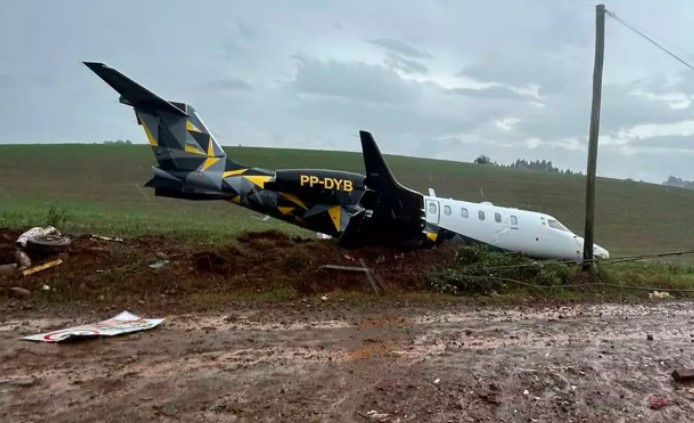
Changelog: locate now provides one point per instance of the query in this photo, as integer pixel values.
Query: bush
(57, 217)
(479, 269)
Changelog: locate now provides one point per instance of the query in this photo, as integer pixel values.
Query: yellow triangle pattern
(335, 215)
(194, 149)
(191, 127)
(294, 199)
(432, 236)
(209, 162)
(285, 210)
(258, 180)
(150, 138)
(210, 146)
(233, 172)
(236, 199)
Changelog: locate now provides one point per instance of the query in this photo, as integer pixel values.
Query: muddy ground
(248, 337)
(324, 361)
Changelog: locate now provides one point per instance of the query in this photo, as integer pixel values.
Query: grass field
(98, 189)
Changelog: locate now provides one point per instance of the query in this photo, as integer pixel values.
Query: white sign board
(125, 322)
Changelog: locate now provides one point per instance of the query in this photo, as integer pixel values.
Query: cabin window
(514, 220)
(497, 217)
(556, 225)
(463, 212)
(432, 208)
(447, 210)
(480, 214)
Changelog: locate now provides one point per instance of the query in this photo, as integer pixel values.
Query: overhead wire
(583, 285)
(649, 39)
(594, 260)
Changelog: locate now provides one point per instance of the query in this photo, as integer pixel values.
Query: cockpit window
(556, 225)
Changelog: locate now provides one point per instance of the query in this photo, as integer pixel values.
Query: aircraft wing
(392, 213)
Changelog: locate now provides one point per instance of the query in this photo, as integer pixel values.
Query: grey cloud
(320, 101)
(492, 92)
(664, 143)
(401, 48)
(396, 61)
(350, 80)
(230, 84)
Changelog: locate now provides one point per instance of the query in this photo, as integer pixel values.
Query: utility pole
(593, 135)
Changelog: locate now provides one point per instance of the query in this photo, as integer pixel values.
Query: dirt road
(323, 361)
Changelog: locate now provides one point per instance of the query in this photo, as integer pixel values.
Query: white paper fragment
(125, 322)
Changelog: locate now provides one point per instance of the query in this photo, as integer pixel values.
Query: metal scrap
(36, 231)
(683, 375)
(370, 275)
(41, 267)
(123, 323)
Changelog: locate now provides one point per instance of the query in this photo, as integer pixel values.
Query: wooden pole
(593, 135)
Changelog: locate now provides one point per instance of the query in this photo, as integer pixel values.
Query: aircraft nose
(600, 252)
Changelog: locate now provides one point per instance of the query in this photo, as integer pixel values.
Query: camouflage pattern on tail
(191, 164)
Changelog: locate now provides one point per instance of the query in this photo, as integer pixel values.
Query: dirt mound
(169, 271)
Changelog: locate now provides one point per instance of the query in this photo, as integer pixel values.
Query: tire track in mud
(584, 362)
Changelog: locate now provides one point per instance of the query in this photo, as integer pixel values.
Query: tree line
(542, 165)
(674, 181)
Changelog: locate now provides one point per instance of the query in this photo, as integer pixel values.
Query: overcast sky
(444, 79)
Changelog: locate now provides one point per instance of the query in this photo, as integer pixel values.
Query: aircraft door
(432, 211)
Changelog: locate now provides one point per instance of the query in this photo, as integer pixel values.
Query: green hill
(97, 189)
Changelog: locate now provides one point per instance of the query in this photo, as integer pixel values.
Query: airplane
(358, 210)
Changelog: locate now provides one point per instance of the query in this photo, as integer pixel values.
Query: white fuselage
(535, 234)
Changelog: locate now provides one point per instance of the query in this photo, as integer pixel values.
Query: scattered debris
(41, 267)
(19, 382)
(324, 298)
(683, 375)
(374, 415)
(659, 295)
(162, 255)
(105, 238)
(45, 288)
(649, 337)
(436, 381)
(656, 403)
(526, 393)
(48, 243)
(125, 322)
(22, 259)
(19, 292)
(370, 275)
(323, 236)
(34, 232)
(159, 264)
(345, 268)
(8, 269)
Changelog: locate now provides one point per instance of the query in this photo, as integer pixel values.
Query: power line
(649, 39)
(583, 285)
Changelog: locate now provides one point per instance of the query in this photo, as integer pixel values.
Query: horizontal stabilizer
(131, 92)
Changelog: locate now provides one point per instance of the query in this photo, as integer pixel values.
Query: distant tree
(118, 141)
(483, 160)
(673, 181)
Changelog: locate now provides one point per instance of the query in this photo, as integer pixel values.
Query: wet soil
(220, 358)
(171, 274)
(325, 361)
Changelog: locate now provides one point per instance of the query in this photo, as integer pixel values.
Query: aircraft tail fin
(187, 154)
(378, 174)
